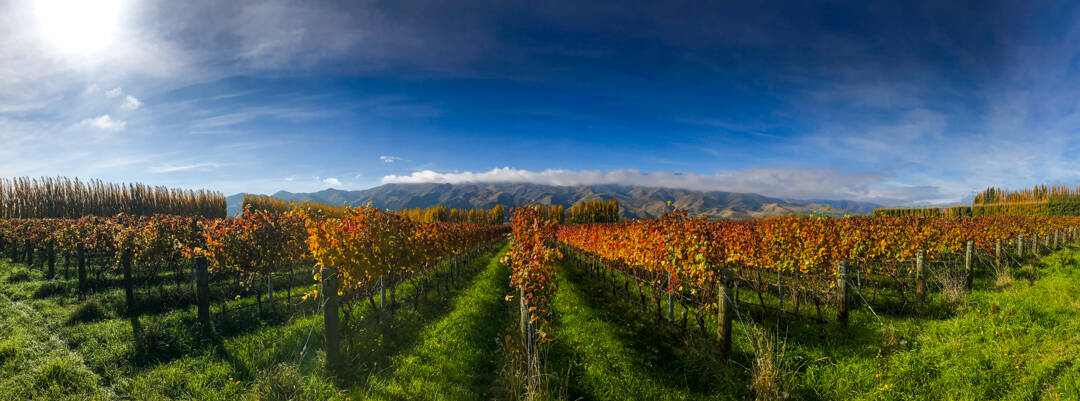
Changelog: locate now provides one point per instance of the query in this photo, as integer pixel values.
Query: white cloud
(791, 183)
(103, 123)
(389, 159)
(114, 92)
(130, 103)
(289, 179)
(333, 182)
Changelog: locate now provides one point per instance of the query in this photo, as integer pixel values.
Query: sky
(899, 104)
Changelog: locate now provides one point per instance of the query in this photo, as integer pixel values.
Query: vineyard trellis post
(997, 253)
(330, 317)
(51, 259)
(1035, 245)
(1020, 247)
(969, 276)
(129, 286)
(670, 299)
(80, 259)
(270, 290)
(202, 292)
(29, 254)
(920, 277)
(843, 292)
(724, 312)
(382, 292)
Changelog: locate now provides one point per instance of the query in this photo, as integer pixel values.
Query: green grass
(1018, 342)
(1011, 343)
(455, 359)
(56, 346)
(606, 348)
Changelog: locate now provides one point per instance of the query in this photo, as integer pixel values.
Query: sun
(79, 27)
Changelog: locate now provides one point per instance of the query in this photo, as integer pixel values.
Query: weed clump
(284, 381)
(89, 311)
(769, 364)
(19, 274)
(64, 374)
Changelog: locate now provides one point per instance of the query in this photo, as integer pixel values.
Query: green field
(1017, 341)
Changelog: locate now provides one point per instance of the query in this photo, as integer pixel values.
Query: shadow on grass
(375, 341)
(660, 353)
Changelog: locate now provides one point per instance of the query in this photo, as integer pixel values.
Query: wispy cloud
(170, 168)
(103, 123)
(333, 182)
(114, 92)
(389, 159)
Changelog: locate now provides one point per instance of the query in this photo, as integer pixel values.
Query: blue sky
(925, 102)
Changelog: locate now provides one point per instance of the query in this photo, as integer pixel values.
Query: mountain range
(634, 201)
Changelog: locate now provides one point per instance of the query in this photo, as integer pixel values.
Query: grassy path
(456, 358)
(608, 349)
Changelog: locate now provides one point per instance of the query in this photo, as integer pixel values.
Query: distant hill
(634, 201)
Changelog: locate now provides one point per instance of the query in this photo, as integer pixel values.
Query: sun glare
(79, 27)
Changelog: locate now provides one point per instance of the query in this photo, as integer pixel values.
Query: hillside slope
(635, 202)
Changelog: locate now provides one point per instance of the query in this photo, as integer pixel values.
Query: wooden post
(969, 274)
(1035, 245)
(724, 312)
(1020, 247)
(521, 307)
(843, 292)
(29, 254)
(330, 318)
(51, 260)
(270, 290)
(382, 291)
(670, 300)
(80, 259)
(997, 253)
(202, 292)
(129, 287)
(920, 277)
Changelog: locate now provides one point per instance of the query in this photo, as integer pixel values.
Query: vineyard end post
(1035, 245)
(1020, 247)
(920, 277)
(330, 317)
(968, 273)
(843, 291)
(202, 291)
(724, 308)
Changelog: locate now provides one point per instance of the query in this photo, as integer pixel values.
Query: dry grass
(1003, 276)
(769, 364)
(953, 285)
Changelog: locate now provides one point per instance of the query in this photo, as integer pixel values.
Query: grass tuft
(89, 311)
